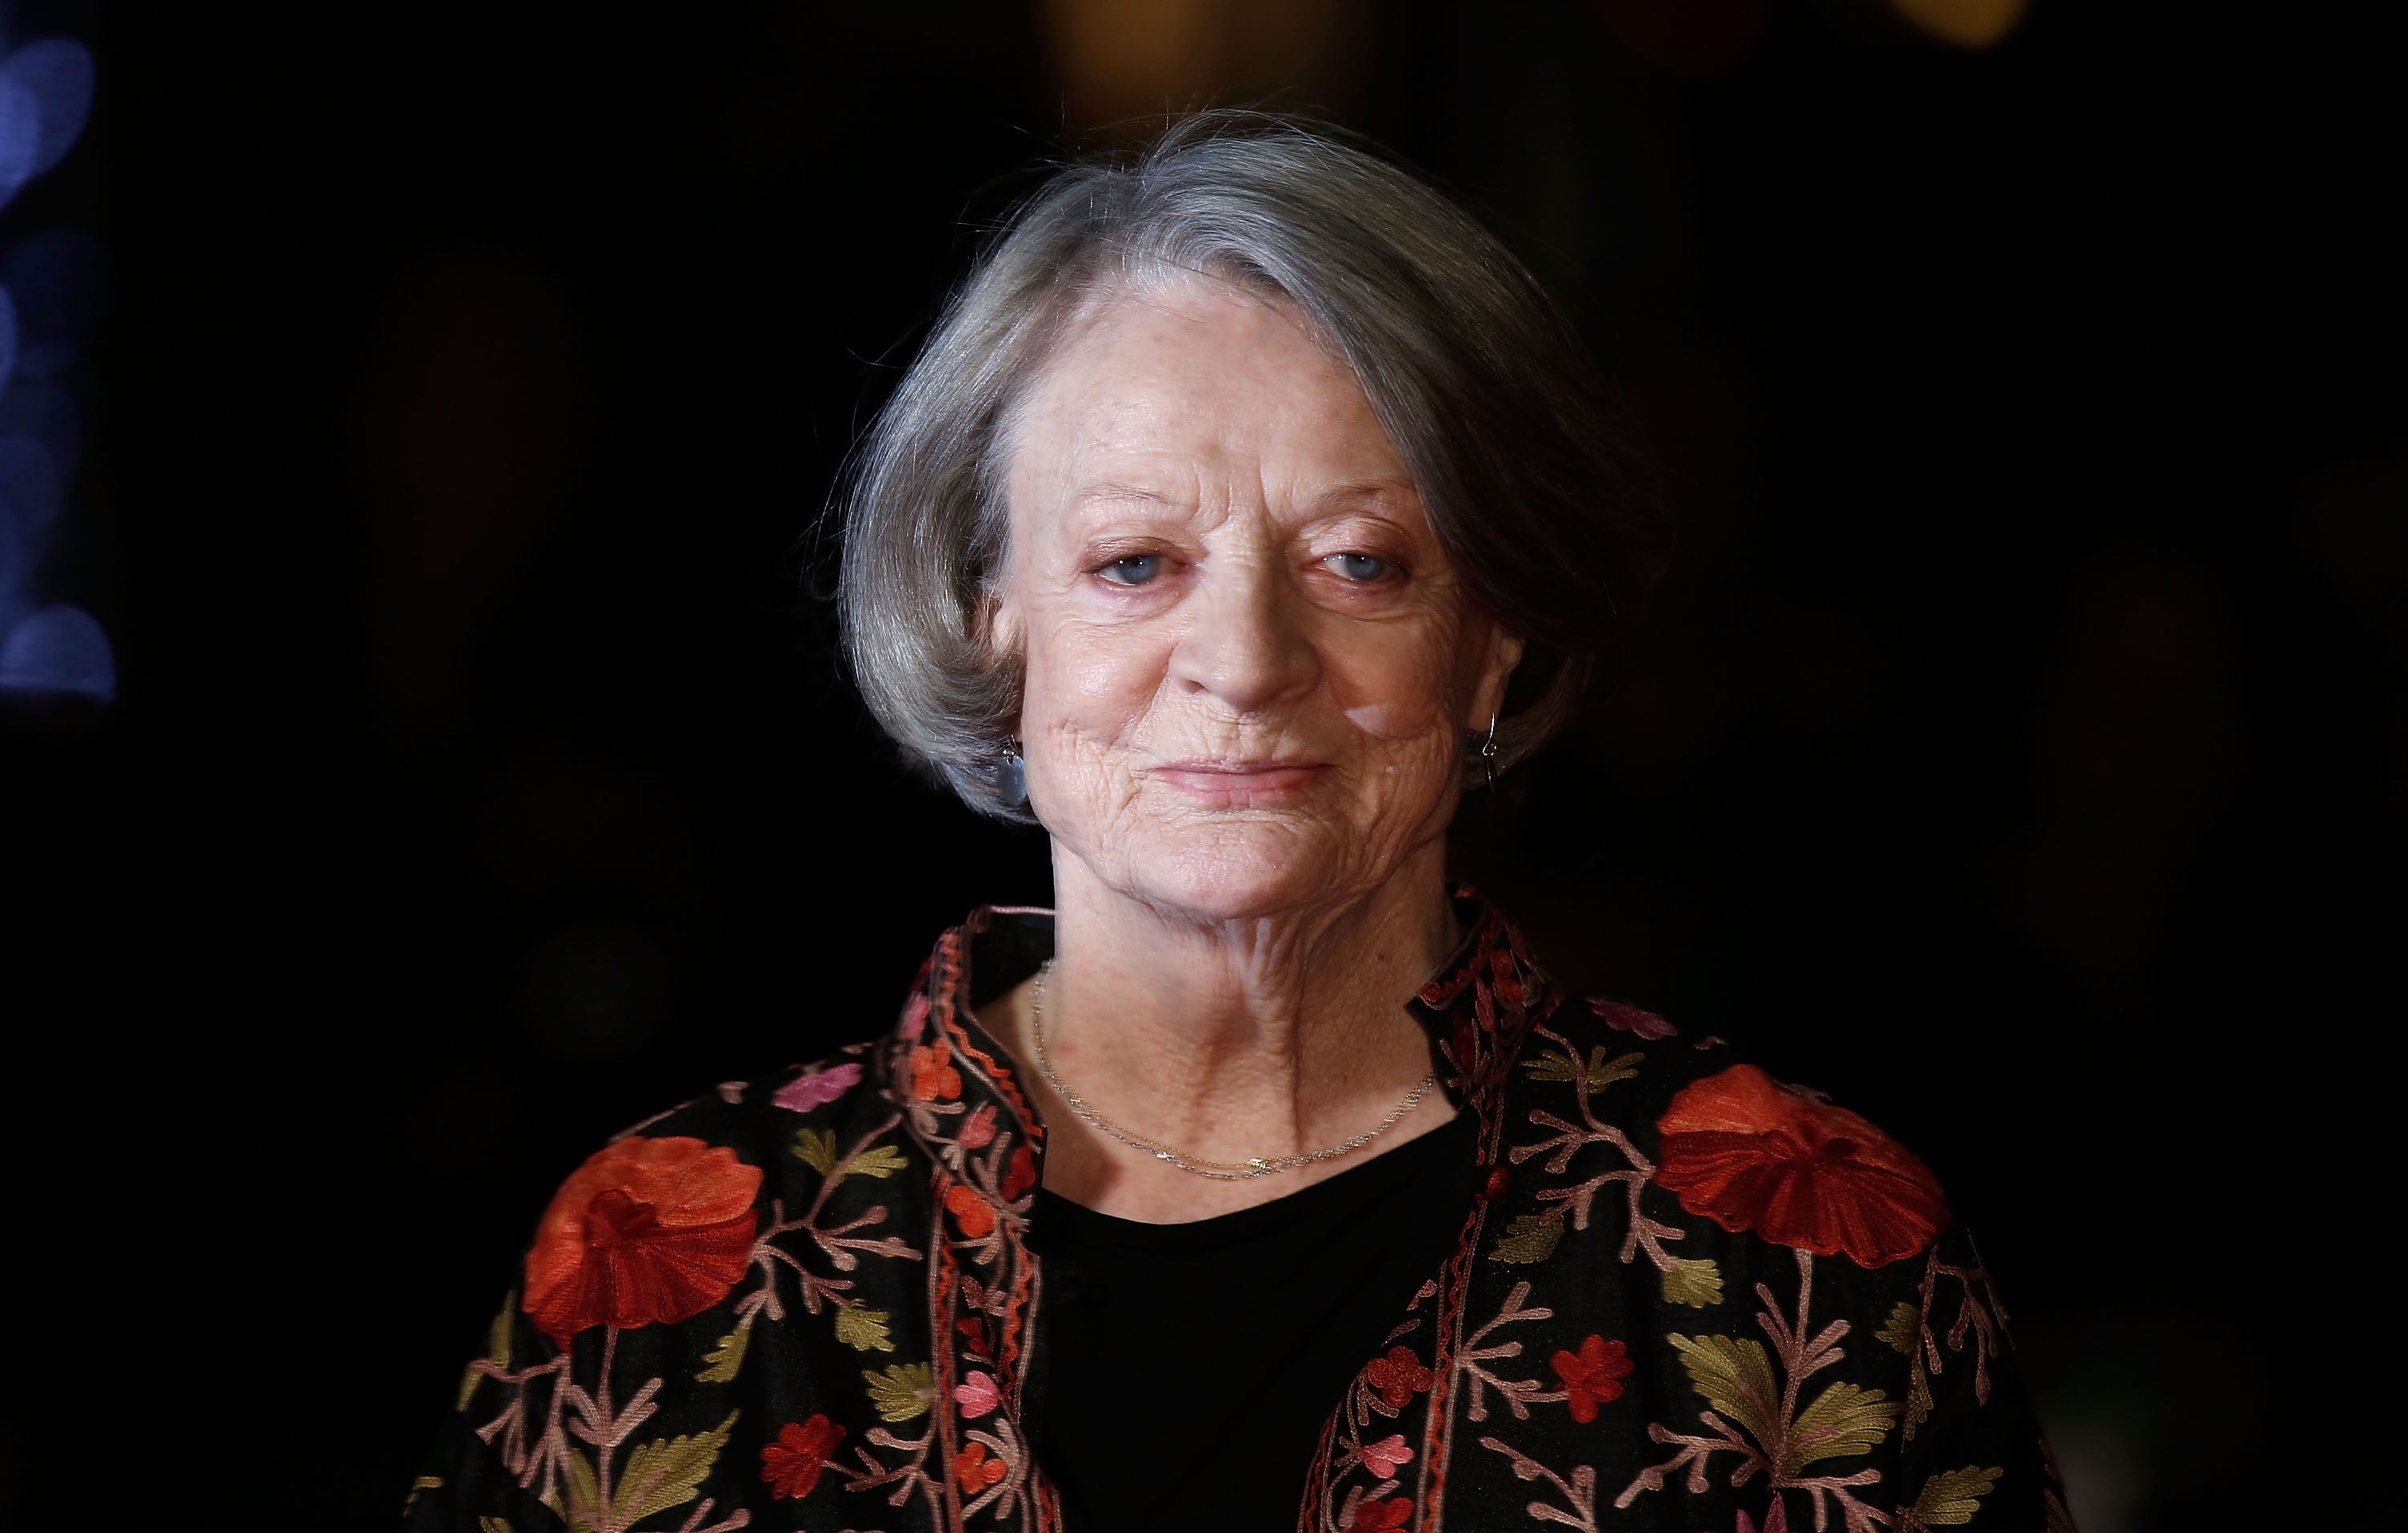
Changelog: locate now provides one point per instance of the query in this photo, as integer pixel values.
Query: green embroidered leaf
(1697, 1285)
(1903, 1328)
(863, 1330)
(495, 1524)
(661, 1475)
(1598, 1074)
(1918, 1399)
(1736, 1379)
(1531, 1238)
(882, 1162)
(727, 1357)
(497, 1349)
(418, 1487)
(1845, 1420)
(1950, 1497)
(900, 1391)
(2059, 1519)
(578, 1498)
(817, 1148)
(1553, 1064)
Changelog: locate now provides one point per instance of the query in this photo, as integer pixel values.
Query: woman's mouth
(1227, 784)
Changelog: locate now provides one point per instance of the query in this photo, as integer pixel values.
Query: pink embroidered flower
(1382, 1457)
(1629, 1019)
(974, 1471)
(1397, 1376)
(1382, 1516)
(817, 1088)
(915, 1014)
(792, 1465)
(976, 1393)
(1591, 1376)
(978, 1129)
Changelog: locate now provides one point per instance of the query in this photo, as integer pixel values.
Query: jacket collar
(959, 1092)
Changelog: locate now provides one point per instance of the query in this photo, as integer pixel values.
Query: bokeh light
(1968, 23)
(50, 297)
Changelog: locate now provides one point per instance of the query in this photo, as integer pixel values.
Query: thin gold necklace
(1219, 1170)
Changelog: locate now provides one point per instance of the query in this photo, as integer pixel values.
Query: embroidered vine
(1753, 1411)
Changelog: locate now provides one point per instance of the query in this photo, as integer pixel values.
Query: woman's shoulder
(1735, 1147)
(742, 1274)
(1764, 1293)
(759, 1117)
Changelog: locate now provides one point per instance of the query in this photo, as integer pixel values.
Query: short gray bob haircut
(1532, 480)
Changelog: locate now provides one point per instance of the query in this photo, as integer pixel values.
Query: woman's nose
(1246, 646)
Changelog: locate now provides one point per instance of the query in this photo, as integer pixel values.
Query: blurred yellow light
(1968, 23)
(1132, 56)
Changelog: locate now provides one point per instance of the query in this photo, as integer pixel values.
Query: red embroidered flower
(974, 1471)
(1397, 1376)
(1021, 1174)
(933, 1076)
(1747, 1153)
(792, 1465)
(646, 1232)
(972, 1212)
(1591, 1376)
(1382, 1516)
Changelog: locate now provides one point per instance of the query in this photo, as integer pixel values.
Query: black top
(1188, 1368)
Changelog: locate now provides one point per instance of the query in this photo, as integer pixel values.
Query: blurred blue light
(21, 135)
(59, 649)
(45, 100)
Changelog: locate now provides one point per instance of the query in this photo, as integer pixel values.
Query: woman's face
(1249, 667)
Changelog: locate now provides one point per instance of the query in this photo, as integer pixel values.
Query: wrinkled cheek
(1399, 720)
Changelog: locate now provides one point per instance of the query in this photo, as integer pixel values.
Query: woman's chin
(1238, 872)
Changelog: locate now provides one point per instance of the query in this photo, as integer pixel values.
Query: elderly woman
(1248, 506)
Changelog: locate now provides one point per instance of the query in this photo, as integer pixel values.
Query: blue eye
(1137, 569)
(1363, 567)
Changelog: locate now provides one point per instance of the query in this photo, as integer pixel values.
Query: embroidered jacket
(1685, 1298)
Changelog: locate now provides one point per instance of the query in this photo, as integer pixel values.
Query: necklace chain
(1218, 1170)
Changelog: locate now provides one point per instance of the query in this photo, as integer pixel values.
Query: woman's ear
(1488, 696)
(996, 624)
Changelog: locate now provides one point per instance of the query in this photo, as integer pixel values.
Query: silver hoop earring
(1011, 778)
(1488, 752)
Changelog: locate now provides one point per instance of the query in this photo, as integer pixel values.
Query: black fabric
(1188, 1368)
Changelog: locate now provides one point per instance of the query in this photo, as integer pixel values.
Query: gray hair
(1531, 481)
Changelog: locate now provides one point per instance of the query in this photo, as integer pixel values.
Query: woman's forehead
(1167, 390)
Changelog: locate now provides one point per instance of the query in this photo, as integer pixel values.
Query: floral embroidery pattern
(646, 1232)
(818, 1088)
(792, 1465)
(1686, 1298)
(1752, 1155)
(1591, 1376)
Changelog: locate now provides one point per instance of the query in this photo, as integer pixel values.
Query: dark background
(2019, 753)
